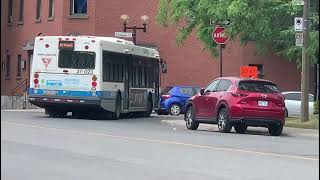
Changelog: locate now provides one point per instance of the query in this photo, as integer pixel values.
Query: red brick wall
(84, 26)
(15, 36)
(187, 65)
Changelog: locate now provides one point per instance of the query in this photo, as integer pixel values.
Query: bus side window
(143, 77)
(114, 70)
(132, 76)
(106, 71)
(145, 69)
(105, 67)
(120, 73)
(123, 78)
(150, 73)
(139, 76)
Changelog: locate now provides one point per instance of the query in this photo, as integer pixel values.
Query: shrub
(316, 107)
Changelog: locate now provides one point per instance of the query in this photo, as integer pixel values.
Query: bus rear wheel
(149, 107)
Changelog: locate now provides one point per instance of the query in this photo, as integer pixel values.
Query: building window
(8, 66)
(21, 10)
(19, 65)
(38, 11)
(260, 70)
(10, 5)
(51, 9)
(78, 7)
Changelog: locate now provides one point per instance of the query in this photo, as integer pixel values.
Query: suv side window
(213, 86)
(224, 85)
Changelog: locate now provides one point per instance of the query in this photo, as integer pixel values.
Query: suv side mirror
(202, 91)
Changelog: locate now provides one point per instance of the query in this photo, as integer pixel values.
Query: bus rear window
(76, 59)
(258, 86)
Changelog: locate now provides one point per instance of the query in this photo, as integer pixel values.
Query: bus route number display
(66, 45)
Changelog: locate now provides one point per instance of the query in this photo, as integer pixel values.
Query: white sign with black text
(298, 24)
(123, 34)
(299, 39)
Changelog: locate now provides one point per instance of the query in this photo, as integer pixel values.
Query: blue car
(173, 99)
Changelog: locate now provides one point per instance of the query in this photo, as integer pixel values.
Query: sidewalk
(295, 132)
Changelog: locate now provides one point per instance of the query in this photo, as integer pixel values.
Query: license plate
(50, 93)
(263, 103)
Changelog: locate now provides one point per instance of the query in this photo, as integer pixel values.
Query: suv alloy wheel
(224, 124)
(189, 118)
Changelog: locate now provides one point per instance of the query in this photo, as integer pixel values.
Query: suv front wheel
(189, 118)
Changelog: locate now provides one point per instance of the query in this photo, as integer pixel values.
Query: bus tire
(116, 113)
(149, 107)
(56, 113)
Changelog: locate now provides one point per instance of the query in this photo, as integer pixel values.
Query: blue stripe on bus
(101, 94)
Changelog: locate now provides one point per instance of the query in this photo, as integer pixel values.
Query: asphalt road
(36, 147)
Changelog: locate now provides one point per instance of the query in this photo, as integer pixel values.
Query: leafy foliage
(269, 23)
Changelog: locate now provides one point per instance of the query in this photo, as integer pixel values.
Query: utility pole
(221, 60)
(304, 115)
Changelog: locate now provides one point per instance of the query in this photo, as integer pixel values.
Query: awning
(29, 45)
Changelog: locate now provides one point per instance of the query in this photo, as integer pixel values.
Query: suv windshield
(258, 86)
(76, 59)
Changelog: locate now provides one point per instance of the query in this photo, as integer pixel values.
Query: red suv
(237, 102)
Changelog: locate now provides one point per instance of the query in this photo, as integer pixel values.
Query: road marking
(23, 110)
(166, 142)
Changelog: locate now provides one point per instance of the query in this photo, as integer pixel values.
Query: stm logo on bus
(46, 62)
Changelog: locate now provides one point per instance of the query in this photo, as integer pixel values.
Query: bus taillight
(35, 80)
(36, 75)
(94, 78)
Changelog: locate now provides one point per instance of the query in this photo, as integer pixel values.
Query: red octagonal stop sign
(219, 36)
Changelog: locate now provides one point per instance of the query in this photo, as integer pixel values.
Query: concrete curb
(295, 132)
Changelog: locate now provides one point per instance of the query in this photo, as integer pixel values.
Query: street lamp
(125, 19)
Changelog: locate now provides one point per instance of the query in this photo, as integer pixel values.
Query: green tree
(269, 23)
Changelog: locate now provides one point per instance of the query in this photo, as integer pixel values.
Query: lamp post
(125, 19)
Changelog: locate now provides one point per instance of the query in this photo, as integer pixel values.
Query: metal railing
(21, 88)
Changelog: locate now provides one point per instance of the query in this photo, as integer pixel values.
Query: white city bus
(90, 76)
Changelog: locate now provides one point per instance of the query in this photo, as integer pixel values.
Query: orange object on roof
(249, 71)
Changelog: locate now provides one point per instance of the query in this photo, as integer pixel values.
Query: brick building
(23, 20)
